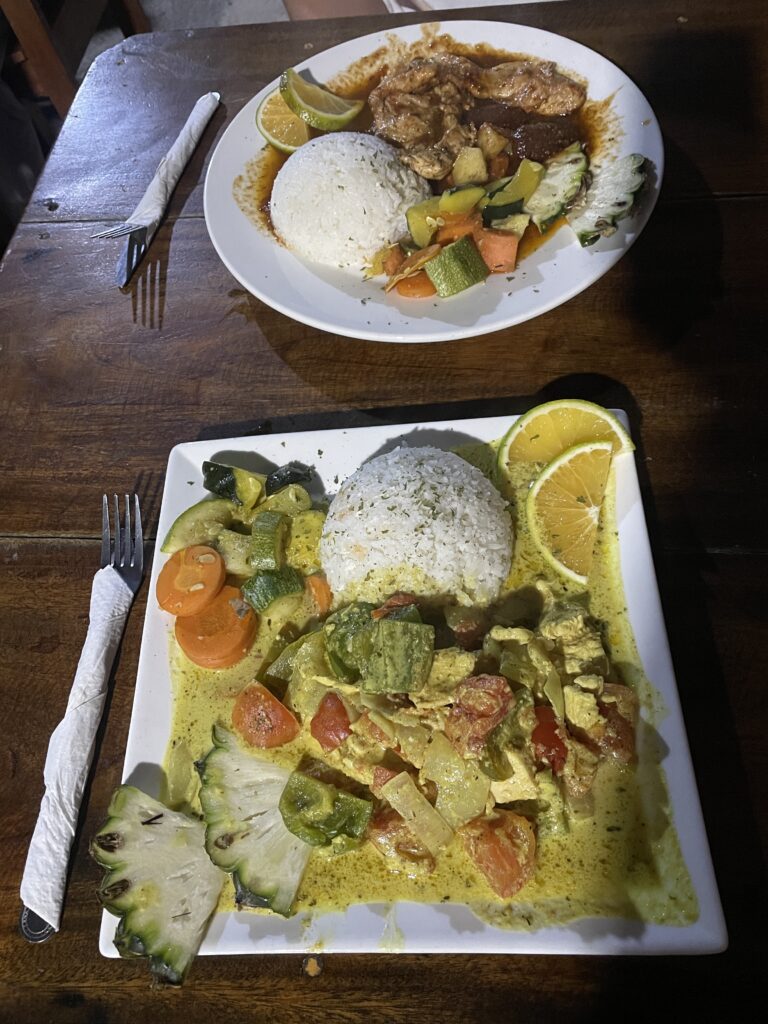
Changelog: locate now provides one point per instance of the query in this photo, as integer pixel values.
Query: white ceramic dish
(413, 927)
(341, 302)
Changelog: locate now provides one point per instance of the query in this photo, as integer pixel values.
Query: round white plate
(341, 302)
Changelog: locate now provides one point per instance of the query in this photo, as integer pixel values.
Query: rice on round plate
(420, 520)
(340, 198)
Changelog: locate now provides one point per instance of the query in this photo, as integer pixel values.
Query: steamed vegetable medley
(475, 226)
(407, 727)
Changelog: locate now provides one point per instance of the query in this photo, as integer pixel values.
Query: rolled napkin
(70, 750)
(152, 204)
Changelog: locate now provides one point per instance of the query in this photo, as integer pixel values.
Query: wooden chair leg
(136, 19)
(30, 27)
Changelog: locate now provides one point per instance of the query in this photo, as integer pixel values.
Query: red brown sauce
(597, 124)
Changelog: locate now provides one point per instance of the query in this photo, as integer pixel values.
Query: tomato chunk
(330, 725)
(548, 744)
(262, 720)
(480, 703)
(503, 846)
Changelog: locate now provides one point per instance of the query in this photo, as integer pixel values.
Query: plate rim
(706, 935)
(361, 332)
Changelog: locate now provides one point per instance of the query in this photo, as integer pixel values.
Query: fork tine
(117, 231)
(105, 537)
(116, 562)
(138, 547)
(127, 536)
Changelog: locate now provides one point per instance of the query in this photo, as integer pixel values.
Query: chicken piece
(535, 86)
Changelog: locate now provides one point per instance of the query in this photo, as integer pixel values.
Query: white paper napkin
(71, 748)
(154, 201)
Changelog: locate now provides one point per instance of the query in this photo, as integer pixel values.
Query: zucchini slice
(160, 881)
(609, 198)
(289, 500)
(199, 524)
(236, 549)
(269, 535)
(238, 485)
(563, 178)
(290, 473)
(245, 834)
(265, 588)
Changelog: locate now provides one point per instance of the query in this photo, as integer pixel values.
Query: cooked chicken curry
(610, 851)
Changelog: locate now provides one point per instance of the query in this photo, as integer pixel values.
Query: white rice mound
(420, 520)
(340, 198)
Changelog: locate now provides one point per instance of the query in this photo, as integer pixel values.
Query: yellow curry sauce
(622, 861)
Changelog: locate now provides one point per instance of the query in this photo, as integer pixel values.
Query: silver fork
(70, 750)
(125, 553)
(118, 230)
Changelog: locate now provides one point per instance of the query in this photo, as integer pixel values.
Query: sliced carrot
(190, 580)
(418, 286)
(221, 634)
(498, 165)
(262, 720)
(321, 592)
(457, 225)
(498, 249)
(393, 260)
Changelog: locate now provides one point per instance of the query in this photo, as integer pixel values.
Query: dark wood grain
(665, 335)
(97, 385)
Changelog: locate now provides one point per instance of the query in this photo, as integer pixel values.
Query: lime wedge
(315, 105)
(279, 125)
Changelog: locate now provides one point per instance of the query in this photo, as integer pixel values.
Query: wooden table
(98, 385)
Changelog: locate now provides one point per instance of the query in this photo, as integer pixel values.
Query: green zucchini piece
(509, 200)
(263, 589)
(237, 485)
(469, 167)
(322, 815)
(159, 881)
(456, 267)
(512, 733)
(421, 221)
(562, 181)
(609, 198)
(290, 473)
(515, 224)
(235, 548)
(277, 666)
(289, 500)
(400, 658)
(461, 199)
(302, 549)
(199, 524)
(269, 532)
(348, 639)
(244, 830)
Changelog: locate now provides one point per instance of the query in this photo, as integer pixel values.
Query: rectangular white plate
(414, 927)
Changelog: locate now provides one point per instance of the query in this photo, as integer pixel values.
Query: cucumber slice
(159, 881)
(245, 834)
(238, 485)
(609, 198)
(563, 178)
(268, 537)
(200, 524)
(265, 588)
